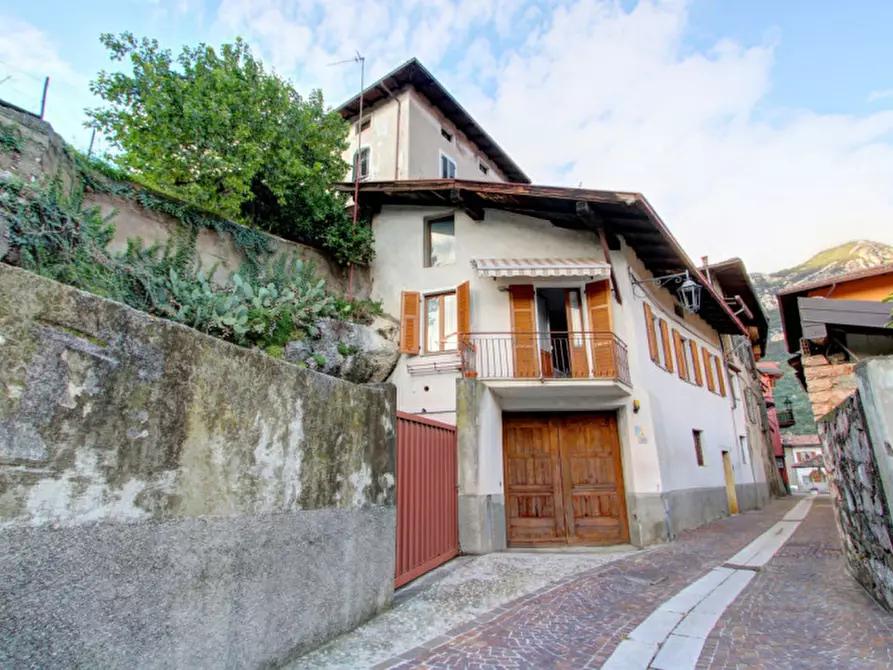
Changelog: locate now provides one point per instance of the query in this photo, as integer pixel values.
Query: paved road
(761, 592)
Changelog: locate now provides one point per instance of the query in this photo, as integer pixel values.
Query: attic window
(483, 168)
(448, 136)
(365, 124)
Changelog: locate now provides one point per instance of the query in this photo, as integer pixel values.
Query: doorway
(731, 493)
(563, 479)
(562, 338)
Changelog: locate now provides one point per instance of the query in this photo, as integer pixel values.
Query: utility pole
(359, 58)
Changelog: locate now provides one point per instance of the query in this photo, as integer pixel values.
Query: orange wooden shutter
(410, 306)
(463, 309)
(708, 370)
(523, 308)
(668, 353)
(680, 355)
(720, 376)
(699, 378)
(652, 334)
(601, 321)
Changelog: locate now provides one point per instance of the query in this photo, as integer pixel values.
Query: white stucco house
(592, 396)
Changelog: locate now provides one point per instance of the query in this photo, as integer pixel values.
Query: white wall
(381, 138)
(426, 142)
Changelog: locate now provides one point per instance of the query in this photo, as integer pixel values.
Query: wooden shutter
(680, 355)
(463, 309)
(720, 376)
(665, 337)
(695, 361)
(524, 347)
(652, 334)
(601, 321)
(410, 306)
(708, 370)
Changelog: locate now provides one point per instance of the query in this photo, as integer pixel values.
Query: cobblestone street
(798, 610)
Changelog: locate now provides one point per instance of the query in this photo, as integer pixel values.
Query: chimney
(704, 262)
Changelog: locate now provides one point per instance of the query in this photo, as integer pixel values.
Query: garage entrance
(563, 479)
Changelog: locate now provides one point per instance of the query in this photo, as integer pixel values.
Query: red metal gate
(427, 496)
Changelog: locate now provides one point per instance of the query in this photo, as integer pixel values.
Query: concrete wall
(169, 500)
(856, 438)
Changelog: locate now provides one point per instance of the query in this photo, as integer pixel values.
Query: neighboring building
(804, 462)
(770, 373)
(412, 128)
(548, 324)
(749, 412)
(832, 324)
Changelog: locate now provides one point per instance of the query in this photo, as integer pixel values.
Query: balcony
(545, 356)
(785, 418)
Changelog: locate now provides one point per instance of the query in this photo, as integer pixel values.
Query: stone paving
(801, 610)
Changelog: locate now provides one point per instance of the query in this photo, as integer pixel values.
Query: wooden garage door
(564, 483)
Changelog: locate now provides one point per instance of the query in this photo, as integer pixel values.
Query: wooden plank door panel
(524, 344)
(576, 342)
(532, 475)
(592, 480)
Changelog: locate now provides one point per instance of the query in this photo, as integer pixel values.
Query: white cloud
(880, 95)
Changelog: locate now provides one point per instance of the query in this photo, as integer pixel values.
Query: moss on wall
(108, 413)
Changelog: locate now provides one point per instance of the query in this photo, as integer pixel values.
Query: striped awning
(541, 267)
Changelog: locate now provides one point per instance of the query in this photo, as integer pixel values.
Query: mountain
(839, 260)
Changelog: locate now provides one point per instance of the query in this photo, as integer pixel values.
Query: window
(483, 168)
(447, 167)
(441, 323)
(364, 125)
(692, 354)
(720, 376)
(681, 360)
(708, 369)
(699, 448)
(448, 136)
(363, 162)
(440, 242)
(742, 441)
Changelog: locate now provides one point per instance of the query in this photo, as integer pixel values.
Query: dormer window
(448, 136)
(483, 168)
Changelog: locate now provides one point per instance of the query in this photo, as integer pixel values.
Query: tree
(219, 131)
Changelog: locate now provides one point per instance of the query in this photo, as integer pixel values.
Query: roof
(413, 73)
(628, 215)
(770, 368)
(801, 441)
(735, 281)
(817, 461)
(789, 309)
(541, 267)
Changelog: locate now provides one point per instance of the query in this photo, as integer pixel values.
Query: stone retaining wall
(829, 382)
(856, 438)
(169, 500)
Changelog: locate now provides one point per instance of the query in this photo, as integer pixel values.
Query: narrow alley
(763, 589)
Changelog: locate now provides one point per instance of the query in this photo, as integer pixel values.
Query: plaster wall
(390, 121)
(170, 500)
(869, 288)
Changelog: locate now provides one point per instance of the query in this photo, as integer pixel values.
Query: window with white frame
(363, 162)
(447, 167)
(441, 322)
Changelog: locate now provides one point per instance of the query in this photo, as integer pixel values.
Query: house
(770, 373)
(749, 411)
(831, 324)
(805, 463)
(578, 350)
(589, 366)
(412, 128)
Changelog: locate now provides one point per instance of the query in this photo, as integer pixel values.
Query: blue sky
(758, 128)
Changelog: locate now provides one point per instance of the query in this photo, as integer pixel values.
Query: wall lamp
(688, 291)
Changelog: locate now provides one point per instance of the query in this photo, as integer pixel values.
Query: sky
(761, 129)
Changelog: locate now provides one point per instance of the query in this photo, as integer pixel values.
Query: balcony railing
(544, 355)
(785, 418)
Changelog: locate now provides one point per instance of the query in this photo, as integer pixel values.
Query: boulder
(357, 352)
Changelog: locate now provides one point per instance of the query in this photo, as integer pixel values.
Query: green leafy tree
(219, 131)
